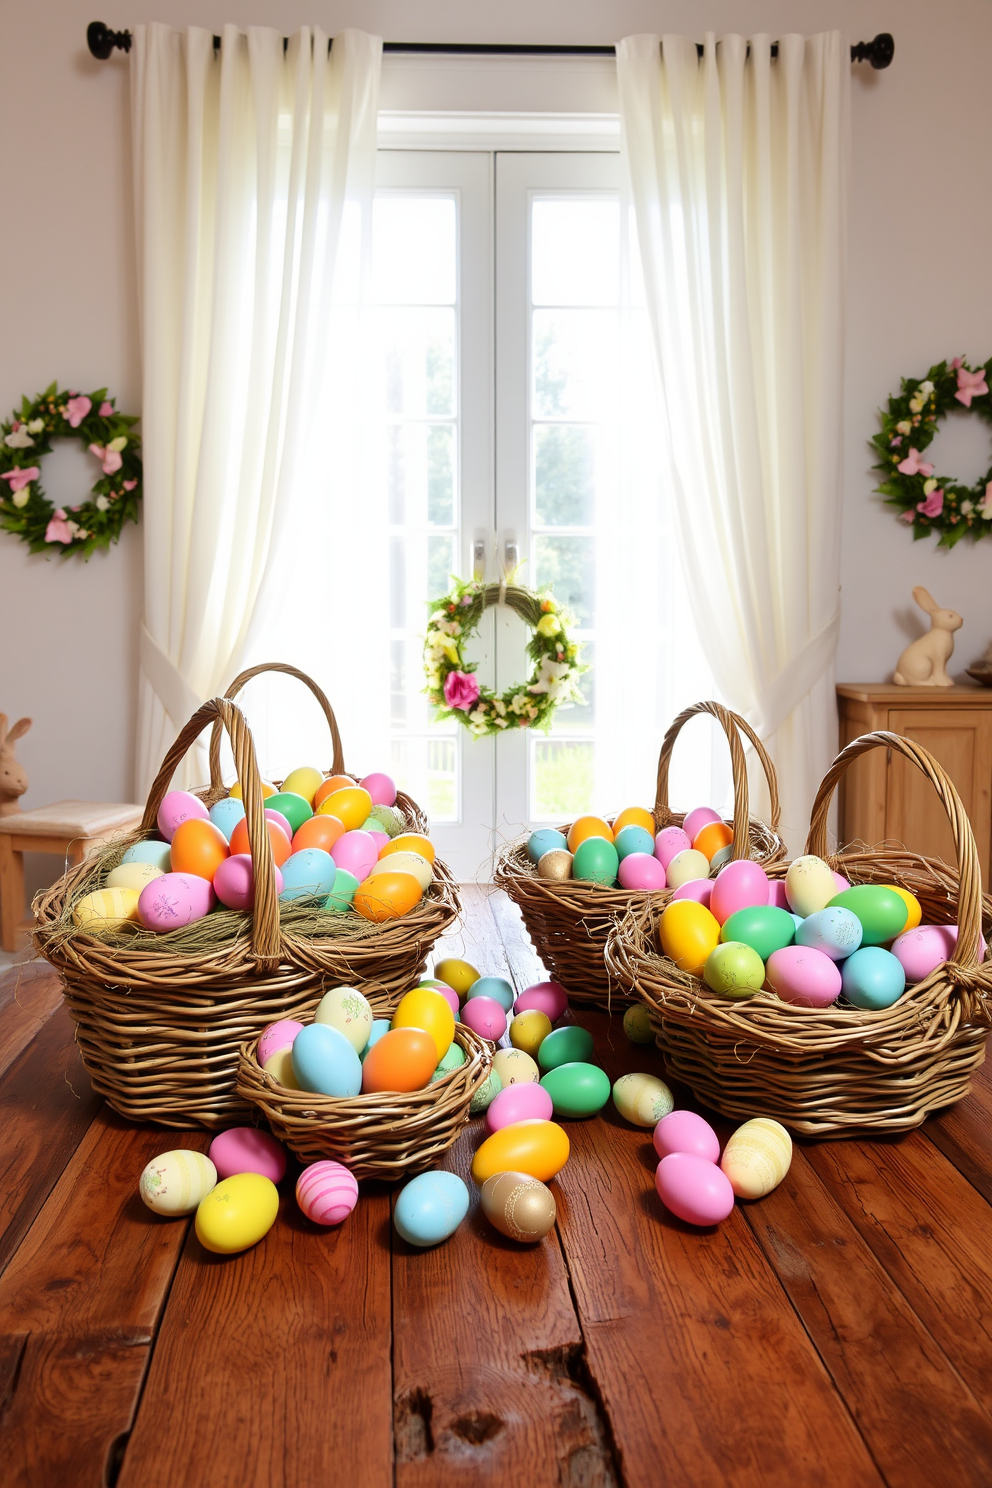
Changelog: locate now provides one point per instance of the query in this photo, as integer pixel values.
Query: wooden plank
(962, 1133)
(707, 1374)
(525, 964)
(47, 1105)
(29, 994)
(472, 938)
(272, 1368)
(928, 1228)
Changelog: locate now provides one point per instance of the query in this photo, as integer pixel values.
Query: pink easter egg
(668, 842)
(922, 950)
(841, 882)
(234, 882)
(740, 885)
(357, 853)
(280, 821)
(684, 1131)
(777, 896)
(698, 889)
(382, 789)
(641, 873)
(485, 1017)
(698, 819)
(175, 900)
(450, 997)
(380, 839)
(549, 998)
(693, 1189)
(804, 976)
(326, 1192)
(176, 807)
(279, 1035)
(245, 1149)
(530, 1102)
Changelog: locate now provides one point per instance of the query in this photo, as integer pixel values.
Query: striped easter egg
(326, 1192)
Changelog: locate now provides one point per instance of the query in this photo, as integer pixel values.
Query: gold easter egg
(520, 1207)
(757, 1157)
(556, 865)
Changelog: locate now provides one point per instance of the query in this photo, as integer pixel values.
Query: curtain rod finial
(102, 41)
(878, 52)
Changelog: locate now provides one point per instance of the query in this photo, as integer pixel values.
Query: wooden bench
(69, 829)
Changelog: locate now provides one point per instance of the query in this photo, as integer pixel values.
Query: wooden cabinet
(884, 797)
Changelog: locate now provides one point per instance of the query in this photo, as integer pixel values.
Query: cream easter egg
(177, 1182)
(347, 1010)
(687, 866)
(106, 909)
(809, 885)
(757, 1157)
(406, 862)
(514, 1067)
(642, 1099)
(132, 876)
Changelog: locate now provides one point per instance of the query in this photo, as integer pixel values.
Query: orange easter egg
(351, 805)
(268, 789)
(403, 1059)
(635, 816)
(388, 896)
(331, 784)
(709, 839)
(281, 845)
(410, 842)
(587, 826)
(318, 831)
(198, 847)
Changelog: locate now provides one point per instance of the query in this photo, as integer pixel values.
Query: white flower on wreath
(447, 627)
(519, 703)
(552, 678)
(102, 504)
(929, 486)
(967, 507)
(904, 426)
(22, 497)
(985, 505)
(19, 439)
(36, 426)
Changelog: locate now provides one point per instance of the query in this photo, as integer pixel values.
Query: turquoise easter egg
(495, 987)
(545, 840)
(633, 839)
(293, 807)
(872, 978)
(764, 928)
(379, 1027)
(596, 861)
(570, 1045)
(159, 854)
(577, 1089)
(307, 874)
(325, 1062)
(339, 899)
(430, 1208)
(226, 814)
(883, 913)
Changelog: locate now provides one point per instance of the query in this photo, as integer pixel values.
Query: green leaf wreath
(27, 437)
(928, 502)
(452, 685)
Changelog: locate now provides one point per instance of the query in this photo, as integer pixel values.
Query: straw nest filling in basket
(570, 922)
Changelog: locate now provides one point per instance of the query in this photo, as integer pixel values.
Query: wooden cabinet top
(890, 693)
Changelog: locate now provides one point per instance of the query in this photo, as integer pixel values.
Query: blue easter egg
(325, 1062)
(308, 873)
(430, 1208)
(798, 919)
(633, 839)
(226, 814)
(835, 931)
(547, 840)
(339, 899)
(159, 854)
(495, 987)
(873, 978)
(379, 1027)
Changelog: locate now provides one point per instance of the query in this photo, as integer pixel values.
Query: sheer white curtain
(737, 165)
(248, 163)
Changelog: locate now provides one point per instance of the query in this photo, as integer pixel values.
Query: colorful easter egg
(914, 909)
(454, 1059)
(159, 854)
(280, 821)
(486, 1017)
(921, 951)
(388, 897)
(347, 1010)
(883, 913)
(305, 781)
(234, 882)
(427, 1009)
(549, 998)
(777, 897)
(569, 1045)
(278, 1035)
(518, 1206)
(308, 874)
(486, 1094)
(380, 839)
(641, 872)
(179, 806)
(106, 910)
(669, 842)
(497, 988)
(448, 993)
(688, 933)
(174, 900)
(325, 1062)
(330, 785)
(809, 885)
(238, 1213)
(326, 1192)
(459, 975)
(389, 820)
(318, 831)
(686, 866)
(555, 866)
(637, 1024)
(519, 1103)
(595, 861)
(528, 1030)
(381, 788)
(695, 1190)
(198, 847)
(873, 978)
(342, 897)
(684, 1131)
(278, 839)
(280, 1066)
(357, 853)
(710, 839)
(132, 876)
(268, 789)
(757, 1157)
(721, 858)
(177, 1182)
(698, 818)
(741, 885)
(804, 977)
(226, 814)
(634, 839)
(430, 1208)
(734, 970)
(411, 842)
(699, 890)
(538, 1148)
(406, 862)
(351, 805)
(546, 839)
(380, 1027)
(585, 827)
(515, 1067)
(577, 1089)
(837, 932)
(764, 928)
(293, 808)
(245, 1149)
(642, 1099)
(635, 816)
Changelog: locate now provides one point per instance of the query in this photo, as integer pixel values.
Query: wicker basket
(570, 922)
(376, 1136)
(158, 1026)
(837, 1071)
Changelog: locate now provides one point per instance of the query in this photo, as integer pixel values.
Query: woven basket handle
(965, 951)
(337, 763)
(733, 726)
(266, 940)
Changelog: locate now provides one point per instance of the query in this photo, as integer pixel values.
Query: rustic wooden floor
(839, 1332)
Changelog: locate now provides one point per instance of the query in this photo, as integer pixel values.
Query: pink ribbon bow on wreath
(58, 528)
(112, 459)
(913, 465)
(21, 478)
(970, 385)
(76, 410)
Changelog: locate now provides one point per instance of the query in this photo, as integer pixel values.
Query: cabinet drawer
(962, 741)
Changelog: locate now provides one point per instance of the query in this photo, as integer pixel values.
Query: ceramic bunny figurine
(13, 780)
(924, 661)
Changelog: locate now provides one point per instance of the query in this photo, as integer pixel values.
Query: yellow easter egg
(538, 1148)
(529, 1030)
(351, 805)
(407, 862)
(688, 934)
(424, 1008)
(268, 789)
(458, 975)
(411, 842)
(913, 906)
(280, 1066)
(642, 1099)
(304, 781)
(634, 816)
(809, 885)
(132, 876)
(516, 1067)
(177, 1182)
(106, 909)
(757, 1157)
(237, 1213)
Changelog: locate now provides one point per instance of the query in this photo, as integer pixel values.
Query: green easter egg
(339, 899)
(577, 1089)
(764, 928)
(486, 1094)
(291, 806)
(637, 1024)
(569, 1045)
(883, 913)
(388, 821)
(596, 861)
(734, 970)
(454, 1058)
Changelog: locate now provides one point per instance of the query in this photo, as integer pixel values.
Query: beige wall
(921, 226)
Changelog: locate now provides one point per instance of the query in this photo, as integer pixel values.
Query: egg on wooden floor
(757, 1157)
(539, 1148)
(518, 1206)
(527, 1102)
(637, 1025)
(176, 1183)
(515, 1066)
(495, 987)
(459, 975)
(238, 1213)
(430, 1208)
(246, 1149)
(484, 1016)
(642, 1099)
(693, 1189)
(569, 1045)
(684, 1131)
(577, 1090)
(549, 998)
(528, 1030)
(326, 1192)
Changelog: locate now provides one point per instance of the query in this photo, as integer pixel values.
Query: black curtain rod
(102, 42)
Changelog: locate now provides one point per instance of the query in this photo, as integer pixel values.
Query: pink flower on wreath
(970, 385)
(112, 459)
(913, 465)
(58, 528)
(934, 504)
(21, 478)
(76, 410)
(895, 441)
(106, 409)
(907, 516)
(130, 485)
(957, 362)
(461, 689)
